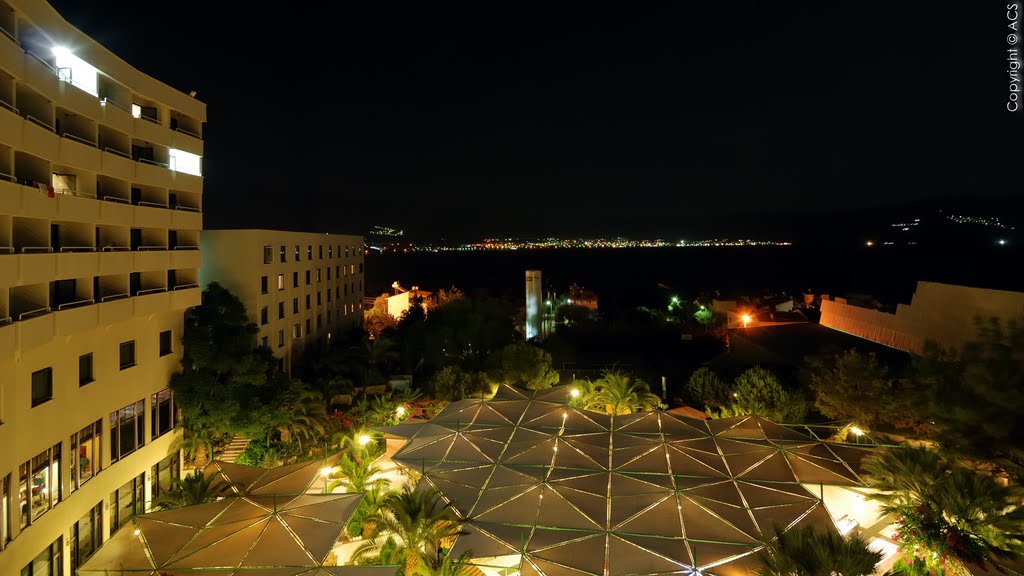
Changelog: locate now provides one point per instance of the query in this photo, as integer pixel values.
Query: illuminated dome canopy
(552, 490)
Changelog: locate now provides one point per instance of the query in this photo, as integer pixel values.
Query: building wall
(235, 259)
(125, 230)
(941, 312)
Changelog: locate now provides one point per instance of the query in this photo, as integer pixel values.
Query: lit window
(136, 111)
(181, 161)
(280, 281)
(78, 72)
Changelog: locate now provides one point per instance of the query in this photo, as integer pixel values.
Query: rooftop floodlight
(61, 51)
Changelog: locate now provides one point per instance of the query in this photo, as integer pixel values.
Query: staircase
(234, 449)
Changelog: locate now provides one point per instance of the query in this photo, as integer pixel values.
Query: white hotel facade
(100, 214)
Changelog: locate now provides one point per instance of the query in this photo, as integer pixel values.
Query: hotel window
(298, 257)
(85, 369)
(42, 386)
(280, 338)
(309, 252)
(163, 473)
(360, 267)
(330, 251)
(127, 354)
(344, 270)
(127, 430)
(295, 279)
(85, 454)
(165, 343)
(307, 277)
(263, 285)
(127, 501)
(86, 536)
(50, 562)
(280, 310)
(283, 259)
(263, 316)
(309, 325)
(328, 295)
(321, 255)
(297, 331)
(345, 286)
(5, 511)
(308, 306)
(268, 254)
(161, 413)
(360, 285)
(295, 305)
(40, 477)
(328, 316)
(337, 292)
(337, 272)
(346, 251)
(319, 322)
(319, 299)
(318, 277)
(263, 342)
(328, 272)
(351, 268)
(280, 281)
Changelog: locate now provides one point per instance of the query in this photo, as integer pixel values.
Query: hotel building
(300, 288)
(100, 213)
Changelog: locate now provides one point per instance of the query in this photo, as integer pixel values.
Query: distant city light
(869, 243)
(1002, 242)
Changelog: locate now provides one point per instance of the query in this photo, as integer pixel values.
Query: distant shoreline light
(507, 244)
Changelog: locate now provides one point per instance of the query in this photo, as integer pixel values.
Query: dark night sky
(639, 118)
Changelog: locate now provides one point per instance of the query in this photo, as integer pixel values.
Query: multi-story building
(300, 288)
(100, 198)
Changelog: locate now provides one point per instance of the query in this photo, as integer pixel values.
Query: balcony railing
(76, 304)
(39, 122)
(79, 139)
(34, 313)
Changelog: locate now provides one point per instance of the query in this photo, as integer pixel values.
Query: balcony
(76, 317)
(154, 174)
(154, 301)
(79, 152)
(39, 138)
(10, 125)
(183, 297)
(79, 100)
(41, 76)
(117, 164)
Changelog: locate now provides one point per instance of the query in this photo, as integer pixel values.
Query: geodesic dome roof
(562, 491)
(257, 533)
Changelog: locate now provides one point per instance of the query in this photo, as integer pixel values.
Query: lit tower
(534, 304)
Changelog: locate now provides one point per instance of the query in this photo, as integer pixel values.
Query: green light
(675, 300)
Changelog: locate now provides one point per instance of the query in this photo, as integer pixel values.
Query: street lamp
(746, 320)
(326, 473)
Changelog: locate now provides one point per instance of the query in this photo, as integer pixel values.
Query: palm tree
(420, 521)
(619, 393)
(453, 566)
(196, 445)
(356, 476)
(804, 552)
(195, 488)
(305, 420)
(946, 510)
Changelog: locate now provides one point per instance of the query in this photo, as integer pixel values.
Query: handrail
(8, 177)
(35, 120)
(116, 249)
(40, 59)
(153, 120)
(154, 162)
(186, 247)
(149, 248)
(154, 204)
(110, 297)
(37, 312)
(6, 320)
(7, 249)
(77, 249)
(30, 249)
(117, 199)
(9, 35)
(117, 152)
(189, 132)
(104, 101)
(71, 136)
(184, 286)
(76, 304)
(187, 208)
(9, 106)
(150, 291)
(83, 194)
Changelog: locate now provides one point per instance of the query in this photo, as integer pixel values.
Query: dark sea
(645, 276)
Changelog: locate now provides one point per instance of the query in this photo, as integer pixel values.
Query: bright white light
(186, 162)
(364, 440)
(856, 431)
(137, 532)
(325, 472)
(136, 111)
(1002, 242)
(400, 411)
(574, 393)
(73, 69)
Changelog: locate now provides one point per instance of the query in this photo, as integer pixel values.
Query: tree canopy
(525, 366)
(852, 385)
